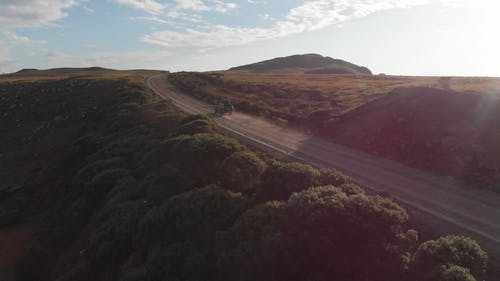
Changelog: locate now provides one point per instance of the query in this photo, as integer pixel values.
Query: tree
(194, 215)
(451, 250)
(242, 171)
(455, 273)
(181, 232)
(320, 233)
(281, 179)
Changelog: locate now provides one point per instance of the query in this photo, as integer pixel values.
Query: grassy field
(297, 95)
(348, 92)
(95, 73)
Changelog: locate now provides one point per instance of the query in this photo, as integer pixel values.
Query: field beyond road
(447, 126)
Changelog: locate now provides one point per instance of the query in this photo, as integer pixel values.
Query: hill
(309, 63)
(103, 180)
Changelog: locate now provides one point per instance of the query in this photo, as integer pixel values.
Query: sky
(398, 37)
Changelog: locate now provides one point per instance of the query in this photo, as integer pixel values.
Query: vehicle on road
(223, 107)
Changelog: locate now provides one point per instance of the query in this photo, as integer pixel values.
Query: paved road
(476, 212)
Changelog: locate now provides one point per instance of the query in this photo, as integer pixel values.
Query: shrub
(86, 173)
(197, 126)
(318, 234)
(280, 179)
(202, 154)
(8, 217)
(195, 215)
(241, 171)
(104, 181)
(113, 236)
(167, 182)
(449, 250)
(455, 273)
(252, 249)
(330, 176)
(127, 189)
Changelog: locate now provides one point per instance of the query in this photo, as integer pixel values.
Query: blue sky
(403, 37)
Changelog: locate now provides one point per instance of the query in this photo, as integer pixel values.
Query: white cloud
(88, 10)
(32, 13)
(18, 39)
(257, 2)
(149, 6)
(266, 17)
(175, 8)
(312, 15)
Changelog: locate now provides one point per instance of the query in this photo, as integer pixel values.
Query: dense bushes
(280, 179)
(318, 234)
(164, 219)
(241, 171)
(194, 215)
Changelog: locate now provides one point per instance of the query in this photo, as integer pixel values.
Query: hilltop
(308, 63)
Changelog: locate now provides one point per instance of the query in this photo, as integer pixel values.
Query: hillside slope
(309, 63)
(447, 132)
(102, 180)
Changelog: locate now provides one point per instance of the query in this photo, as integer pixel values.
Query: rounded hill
(308, 63)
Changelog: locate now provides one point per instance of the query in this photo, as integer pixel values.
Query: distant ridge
(308, 63)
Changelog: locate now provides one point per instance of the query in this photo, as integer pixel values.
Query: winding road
(475, 212)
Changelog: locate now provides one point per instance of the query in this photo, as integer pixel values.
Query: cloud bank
(32, 13)
(310, 16)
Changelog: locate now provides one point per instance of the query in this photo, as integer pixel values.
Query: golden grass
(351, 91)
(83, 73)
(363, 83)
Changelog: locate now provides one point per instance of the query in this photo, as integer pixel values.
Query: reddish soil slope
(447, 132)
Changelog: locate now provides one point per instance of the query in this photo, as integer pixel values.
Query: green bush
(202, 155)
(104, 181)
(448, 251)
(330, 176)
(128, 189)
(454, 273)
(319, 234)
(167, 261)
(281, 179)
(86, 173)
(197, 127)
(113, 237)
(181, 232)
(167, 182)
(195, 215)
(241, 171)
(8, 217)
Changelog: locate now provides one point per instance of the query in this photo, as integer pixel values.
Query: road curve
(477, 212)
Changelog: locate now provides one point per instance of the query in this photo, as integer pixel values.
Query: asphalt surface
(476, 212)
